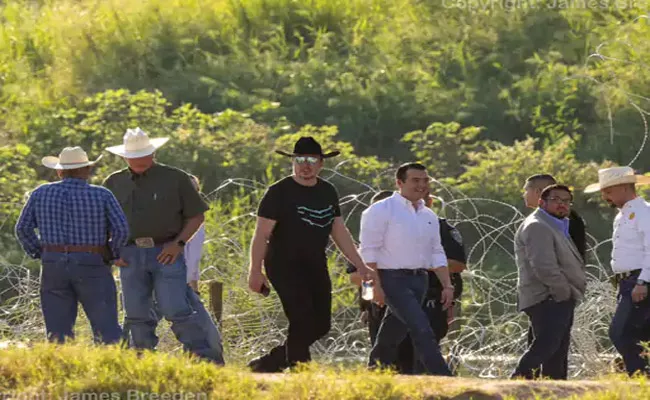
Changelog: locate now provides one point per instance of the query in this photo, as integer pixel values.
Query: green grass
(85, 372)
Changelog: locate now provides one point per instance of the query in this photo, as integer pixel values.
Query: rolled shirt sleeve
(438, 256)
(192, 254)
(373, 228)
(644, 230)
(26, 228)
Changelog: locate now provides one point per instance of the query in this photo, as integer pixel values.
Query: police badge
(456, 235)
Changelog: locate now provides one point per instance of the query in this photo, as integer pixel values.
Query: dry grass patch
(96, 373)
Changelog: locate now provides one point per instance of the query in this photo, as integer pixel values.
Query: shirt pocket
(165, 202)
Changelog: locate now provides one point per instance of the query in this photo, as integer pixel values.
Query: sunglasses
(306, 160)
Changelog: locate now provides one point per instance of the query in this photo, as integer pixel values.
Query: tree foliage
(384, 81)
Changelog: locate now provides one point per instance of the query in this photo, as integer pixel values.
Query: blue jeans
(404, 292)
(549, 339)
(630, 325)
(71, 278)
(214, 337)
(143, 277)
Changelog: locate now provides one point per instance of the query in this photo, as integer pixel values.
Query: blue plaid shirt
(71, 212)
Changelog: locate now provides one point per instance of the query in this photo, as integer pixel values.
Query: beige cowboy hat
(69, 158)
(616, 176)
(137, 144)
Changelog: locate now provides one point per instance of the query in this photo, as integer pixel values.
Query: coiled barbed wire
(490, 334)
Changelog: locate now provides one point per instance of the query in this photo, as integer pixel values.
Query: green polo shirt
(158, 202)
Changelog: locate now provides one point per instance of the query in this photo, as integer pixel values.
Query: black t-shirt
(452, 243)
(304, 216)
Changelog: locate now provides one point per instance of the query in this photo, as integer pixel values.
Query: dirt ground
(483, 389)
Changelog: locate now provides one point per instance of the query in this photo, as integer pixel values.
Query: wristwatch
(180, 243)
(641, 282)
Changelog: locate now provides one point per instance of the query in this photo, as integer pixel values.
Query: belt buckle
(144, 242)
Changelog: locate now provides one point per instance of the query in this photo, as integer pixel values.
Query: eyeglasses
(559, 200)
(306, 160)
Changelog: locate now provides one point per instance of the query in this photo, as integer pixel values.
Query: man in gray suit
(551, 280)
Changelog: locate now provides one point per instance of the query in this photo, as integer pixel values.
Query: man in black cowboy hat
(295, 219)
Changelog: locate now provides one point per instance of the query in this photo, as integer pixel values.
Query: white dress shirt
(631, 240)
(397, 235)
(192, 253)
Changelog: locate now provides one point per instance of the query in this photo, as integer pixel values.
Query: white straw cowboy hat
(137, 144)
(70, 158)
(616, 176)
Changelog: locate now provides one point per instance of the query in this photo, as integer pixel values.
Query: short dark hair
(402, 170)
(541, 179)
(383, 194)
(547, 191)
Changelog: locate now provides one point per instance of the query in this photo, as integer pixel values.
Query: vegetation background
(484, 93)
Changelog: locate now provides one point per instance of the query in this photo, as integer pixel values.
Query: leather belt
(58, 248)
(148, 242)
(407, 271)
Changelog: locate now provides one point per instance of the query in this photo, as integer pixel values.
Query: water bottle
(367, 291)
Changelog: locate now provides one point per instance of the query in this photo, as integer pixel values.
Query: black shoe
(264, 364)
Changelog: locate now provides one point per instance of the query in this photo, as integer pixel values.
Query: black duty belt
(617, 278)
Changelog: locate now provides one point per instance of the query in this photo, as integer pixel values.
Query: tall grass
(82, 372)
(74, 48)
(375, 68)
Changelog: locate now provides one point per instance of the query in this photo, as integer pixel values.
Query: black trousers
(548, 352)
(629, 327)
(405, 363)
(306, 295)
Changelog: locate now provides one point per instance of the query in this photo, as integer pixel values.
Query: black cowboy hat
(308, 145)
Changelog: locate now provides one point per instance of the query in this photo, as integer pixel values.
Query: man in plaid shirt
(81, 228)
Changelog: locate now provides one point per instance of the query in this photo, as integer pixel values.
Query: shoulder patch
(456, 235)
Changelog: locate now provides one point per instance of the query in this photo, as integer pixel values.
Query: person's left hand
(169, 253)
(447, 297)
(639, 293)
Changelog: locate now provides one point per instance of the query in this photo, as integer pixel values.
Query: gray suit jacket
(549, 264)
